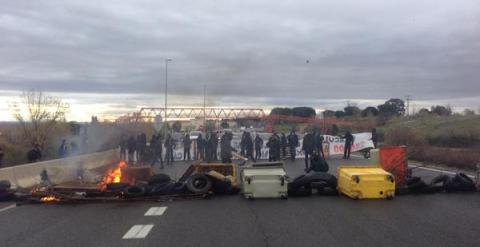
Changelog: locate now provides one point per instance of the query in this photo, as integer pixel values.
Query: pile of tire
(303, 185)
(6, 193)
(442, 183)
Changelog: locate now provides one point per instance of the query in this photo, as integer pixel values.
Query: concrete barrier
(58, 170)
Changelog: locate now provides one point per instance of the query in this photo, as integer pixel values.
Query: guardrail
(58, 170)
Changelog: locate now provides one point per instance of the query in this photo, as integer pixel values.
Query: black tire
(135, 191)
(439, 182)
(159, 179)
(199, 183)
(401, 191)
(117, 187)
(304, 190)
(366, 154)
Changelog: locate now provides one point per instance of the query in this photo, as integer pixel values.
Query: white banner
(336, 146)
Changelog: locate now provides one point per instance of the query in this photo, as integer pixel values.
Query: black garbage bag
(303, 184)
(440, 182)
(417, 186)
(170, 188)
(460, 182)
(159, 179)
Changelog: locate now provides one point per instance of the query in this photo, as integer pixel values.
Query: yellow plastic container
(365, 182)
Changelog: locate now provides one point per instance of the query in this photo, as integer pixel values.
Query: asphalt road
(420, 220)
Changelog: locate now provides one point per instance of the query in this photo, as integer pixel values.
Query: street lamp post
(166, 91)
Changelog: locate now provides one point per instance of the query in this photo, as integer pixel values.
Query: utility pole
(204, 108)
(166, 92)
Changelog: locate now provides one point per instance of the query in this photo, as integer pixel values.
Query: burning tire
(199, 184)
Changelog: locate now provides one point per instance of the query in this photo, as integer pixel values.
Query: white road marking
(7, 207)
(138, 231)
(156, 211)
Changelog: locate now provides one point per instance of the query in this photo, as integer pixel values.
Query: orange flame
(49, 199)
(113, 175)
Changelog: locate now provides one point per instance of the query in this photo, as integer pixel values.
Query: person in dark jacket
(273, 145)
(283, 145)
(374, 137)
(348, 145)
(258, 147)
(2, 154)
(169, 146)
(123, 148)
(249, 147)
(226, 148)
(131, 147)
(141, 146)
(318, 163)
(62, 150)
(156, 146)
(34, 154)
(243, 143)
(215, 146)
(187, 143)
(318, 143)
(292, 144)
(200, 147)
(308, 146)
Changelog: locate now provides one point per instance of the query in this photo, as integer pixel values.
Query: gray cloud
(244, 49)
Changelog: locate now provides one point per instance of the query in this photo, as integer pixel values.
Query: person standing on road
(2, 154)
(319, 143)
(249, 147)
(186, 147)
(215, 146)
(348, 145)
(169, 146)
(141, 146)
(200, 148)
(273, 145)
(374, 137)
(293, 144)
(62, 150)
(132, 147)
(226, 148)
(308, 147)
(156, 150)
(258, 146)
(283, 144)
(243, 144)
(123, 148)
(34, 154)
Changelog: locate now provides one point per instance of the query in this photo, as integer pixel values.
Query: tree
(38, 116)
(281, 111)
(303, 111)
(328, 114)
(423, 112)
(339, 114)
(468, 112)
(352, 110)
(177, 126)
(441, 110)
(392, 107)
(370, 111)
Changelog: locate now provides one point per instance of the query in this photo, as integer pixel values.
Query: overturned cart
(124, 183)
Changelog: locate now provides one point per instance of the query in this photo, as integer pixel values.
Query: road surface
(414, 220)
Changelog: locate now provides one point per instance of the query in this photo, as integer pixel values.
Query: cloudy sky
(108, 57)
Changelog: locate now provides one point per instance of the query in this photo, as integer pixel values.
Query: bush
(459, 158)
(403, 136)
